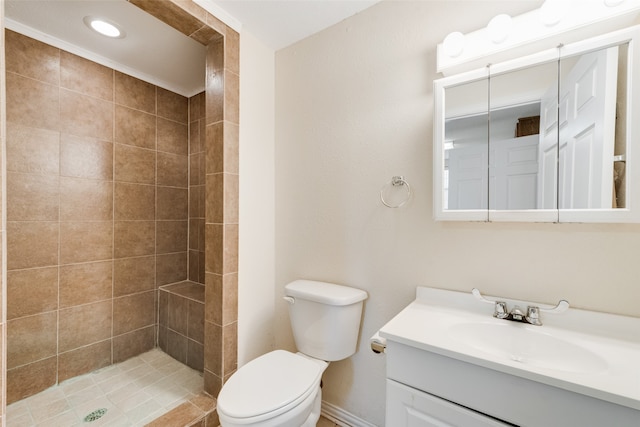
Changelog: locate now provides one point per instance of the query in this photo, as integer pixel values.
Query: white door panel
(585, 136)
(548, 150)
(514, 173)
(468, 177)
(590, 131)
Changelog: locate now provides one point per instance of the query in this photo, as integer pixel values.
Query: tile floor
(134, 392)
(324, 422)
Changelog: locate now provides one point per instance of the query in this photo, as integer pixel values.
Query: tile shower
(97, 212)
(113, 187)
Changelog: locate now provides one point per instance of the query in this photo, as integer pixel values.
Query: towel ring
(396, 181)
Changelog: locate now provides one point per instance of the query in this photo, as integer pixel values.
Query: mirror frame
(629, 214)
(438, 147)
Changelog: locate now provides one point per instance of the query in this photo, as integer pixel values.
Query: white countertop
(611, 343)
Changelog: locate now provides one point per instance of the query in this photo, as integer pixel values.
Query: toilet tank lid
(324, 293)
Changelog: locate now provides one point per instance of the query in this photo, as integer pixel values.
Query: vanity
(451, 362)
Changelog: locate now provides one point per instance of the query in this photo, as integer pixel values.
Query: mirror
(541, 138)
(519, 176)
(462, 130)
(466, 146)
(588, 92)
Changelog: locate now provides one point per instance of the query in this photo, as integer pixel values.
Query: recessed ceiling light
(104, 27)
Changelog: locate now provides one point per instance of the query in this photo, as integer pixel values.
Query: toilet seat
(270, 385)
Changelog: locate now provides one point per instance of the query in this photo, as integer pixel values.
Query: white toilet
(282, 388)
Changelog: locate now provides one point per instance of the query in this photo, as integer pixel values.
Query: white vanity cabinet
(408, 407)
(529, 376)
(437, 384)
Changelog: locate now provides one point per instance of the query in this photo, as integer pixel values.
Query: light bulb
(499, 28)
(104, 27)
(552, 11)
(454, 44)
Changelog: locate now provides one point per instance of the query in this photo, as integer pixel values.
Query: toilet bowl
(279, 388)
(282, 389)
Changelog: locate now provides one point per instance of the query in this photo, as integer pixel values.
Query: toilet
(282, 388)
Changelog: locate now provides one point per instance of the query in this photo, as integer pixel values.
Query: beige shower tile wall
(181, 323)
(197, 176)
(97, 217)
(220, 198)
(3, 266)
(221, 211)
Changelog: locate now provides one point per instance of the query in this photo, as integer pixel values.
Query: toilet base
(314, 416)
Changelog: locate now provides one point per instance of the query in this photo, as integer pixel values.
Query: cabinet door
(408, 407)
(587, 130)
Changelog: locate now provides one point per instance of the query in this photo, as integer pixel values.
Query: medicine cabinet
(550, 137)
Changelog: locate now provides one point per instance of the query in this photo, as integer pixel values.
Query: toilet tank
(325, 318)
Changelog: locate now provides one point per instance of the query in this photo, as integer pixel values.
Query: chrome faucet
(532, 315)
(517, 314)
(501, 310)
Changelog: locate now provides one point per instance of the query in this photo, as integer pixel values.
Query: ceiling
(151, 50)
(280, 23)
(155, 52)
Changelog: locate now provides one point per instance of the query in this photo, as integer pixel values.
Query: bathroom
(349, 108)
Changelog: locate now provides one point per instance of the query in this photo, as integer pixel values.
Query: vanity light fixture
(499, 28)
(104, 27)
(553, 23)
(453, 44)
(552, 12)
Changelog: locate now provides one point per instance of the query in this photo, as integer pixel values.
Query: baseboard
(342, 417)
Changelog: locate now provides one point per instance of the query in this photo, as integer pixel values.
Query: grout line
(59, 219)
(156, 296)
(113, 211)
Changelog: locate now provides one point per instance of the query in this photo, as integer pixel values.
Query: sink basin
(522, 344)
(580, 354)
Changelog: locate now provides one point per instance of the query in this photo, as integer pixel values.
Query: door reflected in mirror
(522, 155)
(591, 95)
(466, 146)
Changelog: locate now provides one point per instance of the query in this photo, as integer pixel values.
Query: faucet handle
(476, 293)
(533, 313)
(500, 307)
(501, 310)
(561, 307)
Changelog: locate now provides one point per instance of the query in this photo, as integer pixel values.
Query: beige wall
(354, 106)
(257, 266)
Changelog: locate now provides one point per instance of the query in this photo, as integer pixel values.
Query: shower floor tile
(134, 393)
